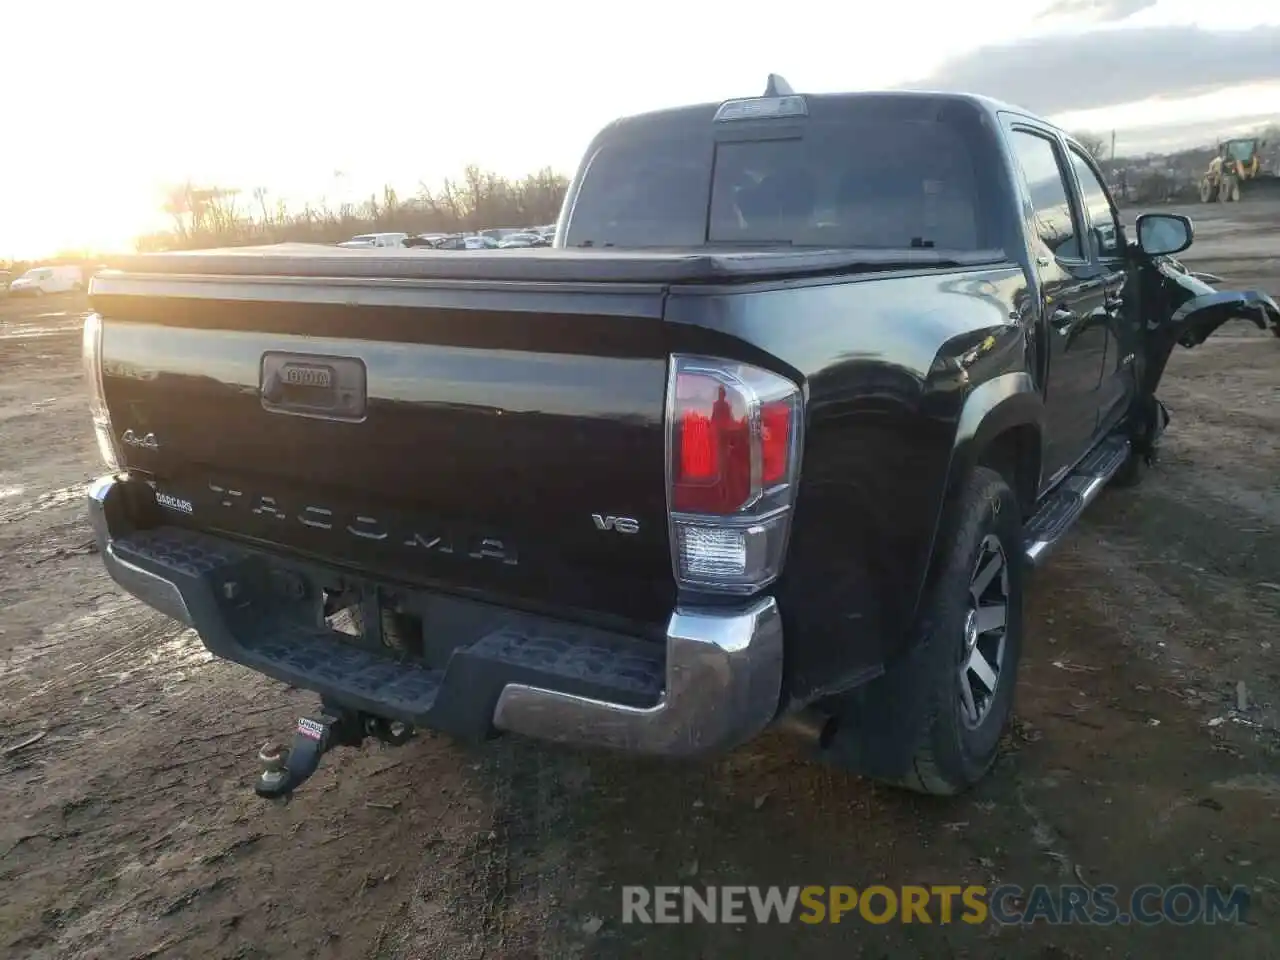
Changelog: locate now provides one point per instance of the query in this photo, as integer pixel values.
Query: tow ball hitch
(284, 769)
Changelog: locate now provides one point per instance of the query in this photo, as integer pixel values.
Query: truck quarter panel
(886, 369)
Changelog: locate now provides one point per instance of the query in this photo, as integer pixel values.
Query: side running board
(1062, 509)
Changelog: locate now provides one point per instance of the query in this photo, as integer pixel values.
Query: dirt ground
(129, 828)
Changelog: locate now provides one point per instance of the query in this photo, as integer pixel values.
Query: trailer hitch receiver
(284, 769)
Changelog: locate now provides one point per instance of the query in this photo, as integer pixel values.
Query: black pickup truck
(770, 435)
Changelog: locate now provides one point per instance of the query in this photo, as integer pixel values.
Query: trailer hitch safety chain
(284, 769)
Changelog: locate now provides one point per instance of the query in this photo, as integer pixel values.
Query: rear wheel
(959, 679)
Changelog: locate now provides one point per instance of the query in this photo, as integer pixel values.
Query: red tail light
(734, 434)
(712, 472)
(699, 448)
(775, 441)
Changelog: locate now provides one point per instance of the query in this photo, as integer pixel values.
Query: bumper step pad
(225, 593)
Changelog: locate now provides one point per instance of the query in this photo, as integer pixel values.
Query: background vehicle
(774, 438)
(425, 240)
(455, 241)
(39, 281)
(1237, 170)
(513, 240)
(376, 240)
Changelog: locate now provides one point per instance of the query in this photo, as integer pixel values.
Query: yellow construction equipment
(1238, 162)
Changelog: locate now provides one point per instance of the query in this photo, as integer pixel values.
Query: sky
(109, 104)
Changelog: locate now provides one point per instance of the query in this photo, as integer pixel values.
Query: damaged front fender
(1181, 309)
(1197, 274)
(1193, 310)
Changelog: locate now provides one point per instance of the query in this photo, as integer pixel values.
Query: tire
(939, 746)
(1206, 191)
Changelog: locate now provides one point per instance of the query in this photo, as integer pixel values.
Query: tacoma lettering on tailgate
(398, 532)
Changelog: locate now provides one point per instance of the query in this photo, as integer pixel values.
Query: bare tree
(213, 216)
(1094, 143)
(260, 195)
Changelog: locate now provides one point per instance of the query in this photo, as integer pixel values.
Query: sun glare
(92, 201)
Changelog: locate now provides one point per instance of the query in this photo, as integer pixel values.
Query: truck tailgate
(483, 441)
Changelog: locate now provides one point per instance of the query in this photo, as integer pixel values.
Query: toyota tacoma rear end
(763, 439)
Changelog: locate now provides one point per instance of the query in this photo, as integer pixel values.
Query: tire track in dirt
(19, 508)
(139, 822)
(1212, 556)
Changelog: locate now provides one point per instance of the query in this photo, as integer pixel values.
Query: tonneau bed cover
(550, 265)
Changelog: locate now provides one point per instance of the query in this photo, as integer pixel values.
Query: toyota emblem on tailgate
(306, 376)
(313, 385)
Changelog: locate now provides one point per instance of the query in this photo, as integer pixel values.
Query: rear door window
(1048, 186)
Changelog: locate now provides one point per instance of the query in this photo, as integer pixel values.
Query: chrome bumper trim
(723, 681)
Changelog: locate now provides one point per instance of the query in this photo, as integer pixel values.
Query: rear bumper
(716, 685)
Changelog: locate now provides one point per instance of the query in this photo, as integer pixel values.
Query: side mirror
(1162, 234)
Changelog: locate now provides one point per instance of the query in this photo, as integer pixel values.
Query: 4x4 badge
(147, 442)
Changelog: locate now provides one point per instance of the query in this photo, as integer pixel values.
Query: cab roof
(920, 99)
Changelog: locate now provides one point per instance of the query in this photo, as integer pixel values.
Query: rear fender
(1006, 402)
(880, 722)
